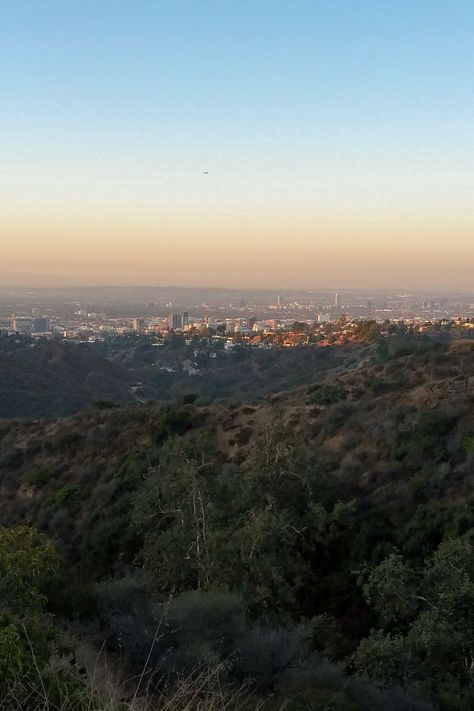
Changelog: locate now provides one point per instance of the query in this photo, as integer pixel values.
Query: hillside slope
(55, 378)
(209, 370)
(272, 528)
(51, 378)
(387, 431)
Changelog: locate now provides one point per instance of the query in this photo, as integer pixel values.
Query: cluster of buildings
(88, 326)
(183, 323)
(37, 325)
(285, 321)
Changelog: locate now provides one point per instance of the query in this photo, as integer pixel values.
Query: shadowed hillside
(41, 379)
(319, 525)
(374, 430)
(54, 378)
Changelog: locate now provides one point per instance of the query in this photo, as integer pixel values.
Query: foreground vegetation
(313, 551)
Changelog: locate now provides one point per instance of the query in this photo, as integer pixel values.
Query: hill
(331, 524)
(48, 378)
(206, 368)
(364, 424)
(40, 378)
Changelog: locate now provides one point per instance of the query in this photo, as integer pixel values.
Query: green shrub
(68, 496)
(105, 404)
(39, 476)
(468, 443)
(65, 439)
(328, 394)
(28, 564)
(189, 398)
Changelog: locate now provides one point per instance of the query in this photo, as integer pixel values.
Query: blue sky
(306, 111)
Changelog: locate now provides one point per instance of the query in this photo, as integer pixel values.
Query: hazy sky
(338, 136)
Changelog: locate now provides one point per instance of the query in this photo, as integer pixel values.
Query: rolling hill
(40, 378)
(280, 513)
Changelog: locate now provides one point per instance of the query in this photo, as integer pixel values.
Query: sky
(238, 143)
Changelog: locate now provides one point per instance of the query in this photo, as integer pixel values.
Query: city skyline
(250, 144)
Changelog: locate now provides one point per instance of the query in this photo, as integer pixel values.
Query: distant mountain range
(28, 280)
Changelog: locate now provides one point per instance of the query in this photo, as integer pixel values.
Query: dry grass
(69, 692)
(63, 688)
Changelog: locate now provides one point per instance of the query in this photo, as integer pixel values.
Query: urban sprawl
(282, 322)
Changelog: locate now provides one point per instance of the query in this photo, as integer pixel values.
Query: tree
(172, 511)
(263, 532)
(426, 624)
(28, 565)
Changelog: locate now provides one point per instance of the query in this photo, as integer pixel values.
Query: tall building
(175, 322)
(209, 321)
(20, 325)
(185, 319)
(41, 324)
(337, 300)
(138, 325)
(280, 301)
